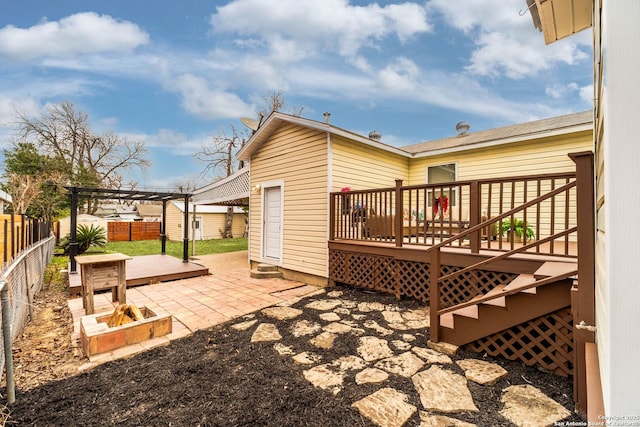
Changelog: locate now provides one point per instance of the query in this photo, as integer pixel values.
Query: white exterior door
(272, 223)
(195, 229)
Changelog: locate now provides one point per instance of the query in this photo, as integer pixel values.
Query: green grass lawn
(152, 247)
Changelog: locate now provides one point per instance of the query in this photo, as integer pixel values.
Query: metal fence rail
(24, 278)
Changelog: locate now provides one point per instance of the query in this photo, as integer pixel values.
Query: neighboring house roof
(204, 209)
(232, 190)
(520, 132)
(513, 133)
(149, 210)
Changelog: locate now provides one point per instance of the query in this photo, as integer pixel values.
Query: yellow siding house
(296, 162)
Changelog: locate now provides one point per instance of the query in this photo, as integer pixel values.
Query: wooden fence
(18, 232)
(121, 231)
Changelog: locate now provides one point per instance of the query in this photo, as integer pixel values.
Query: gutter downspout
(6, 338)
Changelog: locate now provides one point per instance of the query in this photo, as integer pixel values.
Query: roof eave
(583, 127)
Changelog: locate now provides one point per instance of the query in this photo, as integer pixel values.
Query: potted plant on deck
(517, 230)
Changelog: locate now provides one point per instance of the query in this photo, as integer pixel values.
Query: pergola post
(163, 228)
(73, 244)
(185, 244)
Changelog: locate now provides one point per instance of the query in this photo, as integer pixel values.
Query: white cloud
(559, 91)
(506, 42)
(201, 100)
(327, 24)
(81, 33)
(586, 93)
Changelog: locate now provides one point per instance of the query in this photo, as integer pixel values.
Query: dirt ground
(215, 377)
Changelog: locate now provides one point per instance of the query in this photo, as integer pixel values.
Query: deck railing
(430, 214)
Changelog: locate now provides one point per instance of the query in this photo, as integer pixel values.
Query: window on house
(437, 174)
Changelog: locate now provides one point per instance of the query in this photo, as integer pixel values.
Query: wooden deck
(147, 269)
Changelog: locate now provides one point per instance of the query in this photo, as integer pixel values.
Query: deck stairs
(266, 271)
(527, 297)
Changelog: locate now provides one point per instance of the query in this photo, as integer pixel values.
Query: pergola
(80, 193)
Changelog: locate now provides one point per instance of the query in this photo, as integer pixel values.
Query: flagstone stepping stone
(243, 326)
(443, 347)
(304, 327)
(527, 406)
(334, 294)
(386, 407)
(348, 303)
(432, 356)
(401, 345)
(337, 328)
(374, 348)
(323, 377)
(342, 311)
(329, 317)
(371, 375)
(429, 420)
(392, 316)
(349, 363)
(406, 364)
(482, 372)
(408, 337)
(282, 313)
(418, 324)
(367, 307)
(306, 358)
(324, 340)
(441, 390)
(323, 304)
(399, 326)
(372, 324)
(283, 350)
(358, 316)
(266, 332)
(418, 314)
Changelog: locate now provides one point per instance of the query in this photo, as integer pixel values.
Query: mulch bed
(217, 377)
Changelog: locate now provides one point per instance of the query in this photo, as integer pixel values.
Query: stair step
(521, 281)
(267, 267)
(266, 274)
(554, 268)
(498, 301)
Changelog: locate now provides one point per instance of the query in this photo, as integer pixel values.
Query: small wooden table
(98, 272)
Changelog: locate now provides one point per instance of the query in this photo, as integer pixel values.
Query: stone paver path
(392, 343)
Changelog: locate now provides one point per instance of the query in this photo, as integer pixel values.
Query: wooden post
(434, 295)
(73, 243)
(398, 235)
(474, 216)
(332, 217)
(583, 301)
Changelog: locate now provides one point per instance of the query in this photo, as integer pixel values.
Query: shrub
(86, 236)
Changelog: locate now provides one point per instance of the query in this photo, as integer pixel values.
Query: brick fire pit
(97, 337)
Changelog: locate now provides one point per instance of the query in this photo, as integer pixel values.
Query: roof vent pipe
(375, 135)
(326, 115)
(462, 128)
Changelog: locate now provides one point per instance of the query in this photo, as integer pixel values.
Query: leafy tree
(90, 159)
(31, 179)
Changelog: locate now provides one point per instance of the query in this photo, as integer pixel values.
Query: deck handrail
(434, 254)
(535, 284)
(500, 217)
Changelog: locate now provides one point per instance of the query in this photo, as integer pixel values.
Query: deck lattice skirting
(545, 341)
(404, 278)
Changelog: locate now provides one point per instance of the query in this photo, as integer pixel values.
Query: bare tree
(219, 156)
(64, 133)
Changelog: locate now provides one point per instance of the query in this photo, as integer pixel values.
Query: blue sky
(173, 74)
